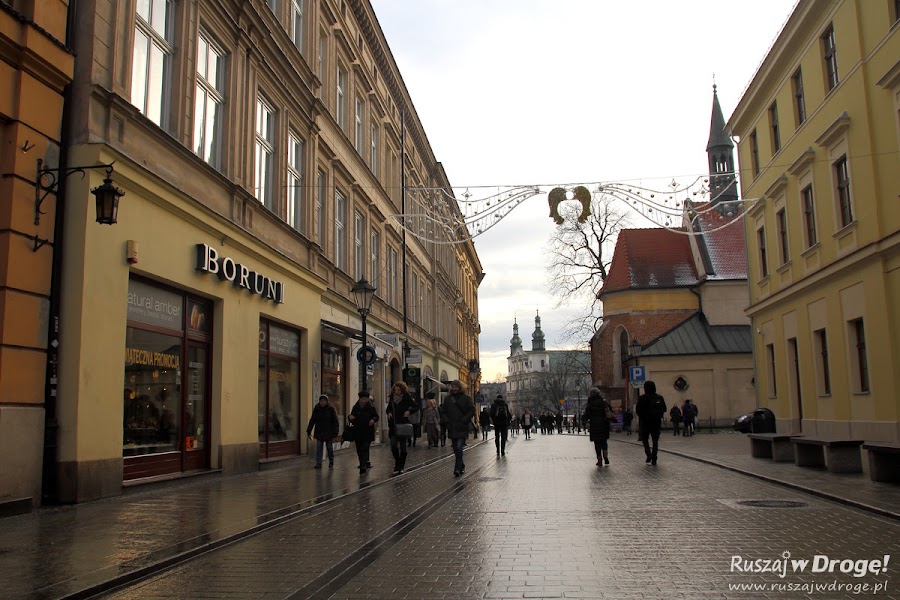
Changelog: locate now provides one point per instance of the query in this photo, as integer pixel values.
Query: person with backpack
(501, 418)
(675, 416)
(324, 420)
(651, 407)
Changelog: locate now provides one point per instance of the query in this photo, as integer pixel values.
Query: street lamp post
(635, 348)
(363, 292)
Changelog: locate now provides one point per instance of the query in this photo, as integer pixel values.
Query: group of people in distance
(453, 417)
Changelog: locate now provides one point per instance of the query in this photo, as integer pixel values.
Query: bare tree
(569, 372)
(578, 259)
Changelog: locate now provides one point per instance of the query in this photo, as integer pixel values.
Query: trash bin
(763, 421)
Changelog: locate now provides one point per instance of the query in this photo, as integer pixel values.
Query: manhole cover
(773, 503)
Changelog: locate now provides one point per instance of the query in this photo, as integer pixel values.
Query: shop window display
(152, 392)
(278, 390)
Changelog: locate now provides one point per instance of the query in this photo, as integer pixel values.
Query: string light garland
(438, 216)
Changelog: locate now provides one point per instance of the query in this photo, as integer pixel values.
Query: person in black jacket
(596, 418)
(651, 407)
(325, 421)
(460, 410)
(501, 418)
(363, 417)
(400, 406)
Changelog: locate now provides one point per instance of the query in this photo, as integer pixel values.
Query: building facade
(262, 148)
(674, 303)
(819, 129)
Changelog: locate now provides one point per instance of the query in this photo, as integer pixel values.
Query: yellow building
(259, 147)
(36, 67)
(819, 129)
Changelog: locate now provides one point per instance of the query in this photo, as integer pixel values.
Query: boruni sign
(209, 261)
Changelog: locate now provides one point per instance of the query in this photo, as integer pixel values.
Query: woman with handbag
(362, 419)
(598, 416)
(400, 407)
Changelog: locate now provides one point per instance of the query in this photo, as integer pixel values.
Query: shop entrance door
(196, 408)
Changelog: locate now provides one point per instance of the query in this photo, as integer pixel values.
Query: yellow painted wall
(649, 300)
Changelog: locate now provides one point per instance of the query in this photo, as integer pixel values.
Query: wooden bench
(776, 446)
(884, 461)
(837, 455)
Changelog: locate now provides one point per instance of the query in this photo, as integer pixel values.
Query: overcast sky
(548, 92)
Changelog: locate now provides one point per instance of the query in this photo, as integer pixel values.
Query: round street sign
(370, 355)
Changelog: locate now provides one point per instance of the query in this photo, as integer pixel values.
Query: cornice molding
(834, 131)
(805, 159)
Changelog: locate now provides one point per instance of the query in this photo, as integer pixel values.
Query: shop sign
(154, 306)
(209, 261)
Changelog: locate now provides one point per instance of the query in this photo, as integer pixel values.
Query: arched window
(623, 354)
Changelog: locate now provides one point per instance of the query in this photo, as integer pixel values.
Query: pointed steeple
(516, 342)
(720, 152)
(537, 338)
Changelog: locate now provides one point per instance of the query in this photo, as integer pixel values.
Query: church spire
(516, 342)
(537, 338)
(720, 153)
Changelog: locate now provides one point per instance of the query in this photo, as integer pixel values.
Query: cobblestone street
(545, 522)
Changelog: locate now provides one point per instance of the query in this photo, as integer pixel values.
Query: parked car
(743, 422)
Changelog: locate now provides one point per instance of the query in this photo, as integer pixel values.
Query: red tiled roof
(650, 258)
(725, 248)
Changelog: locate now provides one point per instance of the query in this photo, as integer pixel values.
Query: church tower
(516, 342)
(720, 151)
(537, 338)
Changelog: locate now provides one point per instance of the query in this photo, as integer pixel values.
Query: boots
(606, 456)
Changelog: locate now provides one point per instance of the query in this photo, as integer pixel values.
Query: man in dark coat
(460, 410)
(399, 409)
(650, 410)
(325, 421)
(363, 416)
(500, 417)
(596, 419)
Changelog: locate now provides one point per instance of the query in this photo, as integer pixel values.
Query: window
(829, 54)
(422, 302)
(273, 5)
(776, 135)
(820, 340)
(373, 143)
(320, 208)
(359, 230)
(297, 23)
(152, 56)
(320, 62)
(842, 179)
(809, 216)
(265, 151)
(375, 258)
(783, 248)
(340, 230)
(754, 153)
(799, 100)
(415, 288)
(391, 277)
(896, 14)
(341, 101)
(623, 355)
(209, 101)
(771, 384)
(763, 259)
(358, 129)
(861, 366)
(294, 215)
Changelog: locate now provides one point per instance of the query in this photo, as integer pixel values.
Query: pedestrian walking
(399, 409)
(651, 407)
(597, 418)
(416, 420)
(460, 411)
(484, 419)
(432, 420)
(559, 422)
(500, 417)
(675, 416)
(527, 422)
(363, 417)
(689, 415)
(627, 419)
(324, 420)
(443, 423)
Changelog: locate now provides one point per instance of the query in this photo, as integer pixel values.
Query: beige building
(262, 148)
(819, 130)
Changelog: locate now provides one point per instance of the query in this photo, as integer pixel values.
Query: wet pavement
(543, 522)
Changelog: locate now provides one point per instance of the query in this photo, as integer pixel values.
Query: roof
(649, 259)
(718, 135)
(697, 336)
(724, 247)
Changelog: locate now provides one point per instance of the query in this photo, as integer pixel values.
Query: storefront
(279, 391)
